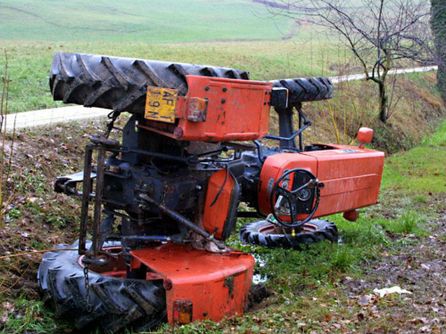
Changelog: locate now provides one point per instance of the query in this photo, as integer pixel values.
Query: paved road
(353, 77)
(76, 113)
(43, 117)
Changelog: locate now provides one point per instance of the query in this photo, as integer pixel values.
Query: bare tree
(380, 33)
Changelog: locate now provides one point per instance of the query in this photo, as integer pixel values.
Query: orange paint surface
(351, 177)
(219, 197)
(235, 110)
(216, 284)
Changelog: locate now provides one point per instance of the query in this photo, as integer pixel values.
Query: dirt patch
(418, 266)
(38, 218)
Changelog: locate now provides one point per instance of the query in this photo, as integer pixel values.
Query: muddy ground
(418, 266)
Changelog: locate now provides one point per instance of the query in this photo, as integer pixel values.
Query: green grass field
(29, 62)
(154, 21)
(233, 33)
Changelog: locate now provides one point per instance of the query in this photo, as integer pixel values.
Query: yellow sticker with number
(160, 104)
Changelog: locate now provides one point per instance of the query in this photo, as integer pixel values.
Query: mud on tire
(121, 83)
(113, 303)
(267, 234)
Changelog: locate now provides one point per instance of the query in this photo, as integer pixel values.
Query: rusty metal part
(229, 110)
(99, 190)
(183, 220)
(222, 197)
(86, 192)
(351, 215)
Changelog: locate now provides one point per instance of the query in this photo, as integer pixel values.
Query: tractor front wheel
(265, 233)
(107, 299)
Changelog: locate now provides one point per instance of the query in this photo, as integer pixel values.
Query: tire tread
(115, 303)
(121, 83)
(252, 234)
(306, 89)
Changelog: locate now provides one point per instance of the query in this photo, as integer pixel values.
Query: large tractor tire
(265, 233)
(121, 84)
(108, 302)
(306, 89)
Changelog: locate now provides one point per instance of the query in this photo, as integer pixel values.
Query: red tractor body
(351, 176)
(199, 285)
(166, 192)
(214, 109)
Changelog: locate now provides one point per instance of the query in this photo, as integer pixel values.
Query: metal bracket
(67, 184)
(279, 98)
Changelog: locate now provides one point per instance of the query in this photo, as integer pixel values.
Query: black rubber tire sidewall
(306, 89)
(119, 83)
(114, 304)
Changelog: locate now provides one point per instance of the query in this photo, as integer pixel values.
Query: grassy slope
(30, 62)
(138, 20)
(422, 169)
(416, 107)
(232, 33)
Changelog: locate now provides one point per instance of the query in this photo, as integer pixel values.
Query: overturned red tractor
(162, 194)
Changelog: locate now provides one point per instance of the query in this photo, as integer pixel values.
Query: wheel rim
(274, 229)
(115, 266)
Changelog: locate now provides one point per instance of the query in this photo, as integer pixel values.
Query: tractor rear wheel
(107, 301)
(306, 89)
(265, 233)
(121, 83)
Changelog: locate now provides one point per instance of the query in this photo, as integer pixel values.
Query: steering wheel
(303, 199)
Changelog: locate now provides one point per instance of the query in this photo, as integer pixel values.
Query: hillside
(29, 62)
(229, 33)
(139, 20)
